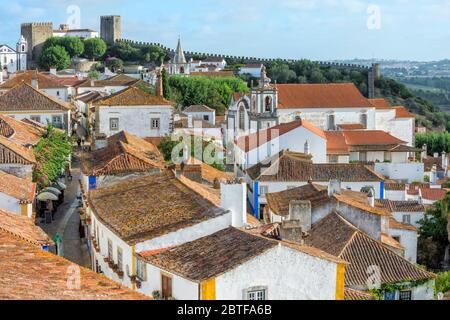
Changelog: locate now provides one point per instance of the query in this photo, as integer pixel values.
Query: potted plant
(120, 274)
(133, 278)
(106, 259)
(156, 295)
(138, 284)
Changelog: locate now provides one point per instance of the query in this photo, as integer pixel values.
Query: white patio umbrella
(44, 196)
(59, 185)
(52, 190)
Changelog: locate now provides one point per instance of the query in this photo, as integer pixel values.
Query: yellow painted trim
(133, 265)
(208, 289)
(340, 281)
(24, 210)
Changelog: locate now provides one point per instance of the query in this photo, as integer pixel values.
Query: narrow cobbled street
(67, 220)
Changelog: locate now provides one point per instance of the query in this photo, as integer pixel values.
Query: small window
(268, 106)
(331, 122)
(155, 123)
(334, 158)
(140, 270)
(363, 120)
(110, 250)
(36, 118)
(57, 93)
(405, 295)
(57, 121)
(263, 190)
(256, 294)
(114, 124)
(363, 156)
(166, 286)
(206, 117)
(120, 259)
(397, 238)
(406, 218)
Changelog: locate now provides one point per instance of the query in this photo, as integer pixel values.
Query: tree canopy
(94, 48)
(146, 54)
(54, 57)
(213, 92)
(73, 45)
(52, 152)
(435, 141)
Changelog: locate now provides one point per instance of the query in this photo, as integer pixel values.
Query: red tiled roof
(19, 131)
(131, 96)
(380, 103)
(44, 81)
(401, 112)
(370, 137)
(29, 273)
(257, 139)
(342, 95)
(351, 126)
(433, 194)
(336, 144)
(15, 153)
(21, 189)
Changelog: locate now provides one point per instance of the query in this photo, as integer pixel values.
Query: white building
(162, 214)
(328, 107)
(297, 136)
(179, 65)
(27, 102)
(242, 271)
(17, 194)
(64, 31)
(135, 111)
(288, 170)
(14, 60)
(111, 85)
(201, 112)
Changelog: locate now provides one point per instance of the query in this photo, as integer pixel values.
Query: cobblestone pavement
(67, 219)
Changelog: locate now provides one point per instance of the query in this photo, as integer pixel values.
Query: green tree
(166, 85)
(282, 74)
(73, 45)
(52, 152)
(125, 51)
(153, 54)
(94, 75)
(114, 64)
(94, 48)
(54, 57)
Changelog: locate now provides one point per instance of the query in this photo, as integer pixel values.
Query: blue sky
(313, 29)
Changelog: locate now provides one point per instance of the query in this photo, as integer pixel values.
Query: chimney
(307, 148)
(424, 151)
(371, 198)
(92, 83)
(34, 82)
(233, 198)
(298, 222)
(334, 186)
(444, 160)
(53, 71)
(192, 171)
(1, 76)
(190, 122)
(433, 175)
(436, 155)
(159, 85)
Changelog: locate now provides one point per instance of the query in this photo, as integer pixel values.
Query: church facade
(14, 60)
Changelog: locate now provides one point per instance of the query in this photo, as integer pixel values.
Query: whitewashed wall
(136, 120)
(408, 239)
(292, 275)
(9, 203)
(407, 172)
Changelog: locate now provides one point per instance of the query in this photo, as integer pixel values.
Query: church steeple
(179, 54)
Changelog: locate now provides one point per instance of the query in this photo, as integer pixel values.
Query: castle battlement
(37, 24)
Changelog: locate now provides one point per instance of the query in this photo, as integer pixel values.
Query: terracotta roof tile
(120, 80)
(257, 139)
(23, 228)
(429, 162)
(343, 95)
(21, 189)
(19, 131)
(198, 108)
(335, 235)
(44, 81)
(380, 104)
(209, 173)
(132, 96)
(288, 166)
(433, 194)
(401, 112)
(124, 153)
(391, 242)
(140, 209)
(210, 256)
(351, 126)
(14, 153)
(394, 224)
(370, 137)
(24, 97)
(29, 273)
(400, 206)
(336, 144)
(356, 295)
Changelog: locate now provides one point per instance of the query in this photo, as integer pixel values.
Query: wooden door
(166, 284)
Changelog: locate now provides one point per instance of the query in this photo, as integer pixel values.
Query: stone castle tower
(35, 35)
(110, 29)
